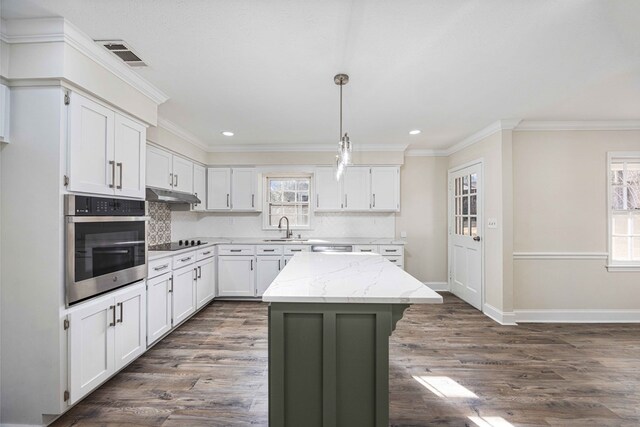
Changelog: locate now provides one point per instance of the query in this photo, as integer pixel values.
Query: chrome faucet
(289, 232)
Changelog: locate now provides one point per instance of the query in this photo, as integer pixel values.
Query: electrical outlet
(403, 234)
(492, 223)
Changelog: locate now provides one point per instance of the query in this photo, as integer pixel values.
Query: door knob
(476, 238)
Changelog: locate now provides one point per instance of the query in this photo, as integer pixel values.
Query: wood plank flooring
(212, 371)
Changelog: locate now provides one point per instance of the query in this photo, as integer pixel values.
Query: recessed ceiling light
(227, 133)
(414, 132)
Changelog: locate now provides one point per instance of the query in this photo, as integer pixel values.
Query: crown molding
(50, 30)
(184, 134)
(542, 125)
(494, 127)
(425, 152)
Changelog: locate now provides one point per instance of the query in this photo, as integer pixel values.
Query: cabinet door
(184, 293)
(130, 150)
(327, 190)
(159, 168)
(236, 276)
(219, 188)
(182, 175)
(357, 194)
(243, 189)
(267, 268)
(91, 339)
(385, 188)
(200, 187)
(91, 147)
(158, 307)
(206, 284)
(286, 259)
(131, 319)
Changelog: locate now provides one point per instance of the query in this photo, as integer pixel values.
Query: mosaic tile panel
(160, 223)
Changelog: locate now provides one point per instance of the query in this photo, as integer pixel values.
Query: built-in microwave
(106, 245)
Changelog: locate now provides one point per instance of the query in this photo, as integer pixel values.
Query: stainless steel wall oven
(106, 245)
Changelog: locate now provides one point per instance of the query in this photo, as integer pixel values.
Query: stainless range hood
(166, 196)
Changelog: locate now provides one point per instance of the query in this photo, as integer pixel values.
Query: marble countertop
(212, 241)
(347, 278)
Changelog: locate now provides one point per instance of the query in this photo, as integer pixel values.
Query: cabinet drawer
(366, 248)
(294, 249)
(236, 250)
(184, 259)
(205, 253)
(158, 267)
(391, 250)
(397, 260)
(269, 249)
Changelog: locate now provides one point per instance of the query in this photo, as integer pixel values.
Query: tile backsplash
(160, 223)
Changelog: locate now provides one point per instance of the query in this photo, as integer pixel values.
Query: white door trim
(481, 226)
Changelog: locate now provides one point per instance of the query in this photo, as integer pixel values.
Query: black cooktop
(176, 246)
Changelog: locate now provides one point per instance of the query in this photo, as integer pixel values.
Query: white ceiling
(264, 69)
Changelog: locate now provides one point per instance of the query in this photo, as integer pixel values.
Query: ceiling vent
(120, 49)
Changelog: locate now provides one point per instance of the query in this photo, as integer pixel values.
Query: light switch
(492, 223)
(403, 234)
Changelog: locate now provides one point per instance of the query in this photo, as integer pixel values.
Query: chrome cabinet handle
(120, 320)
(251, 265)
(227, 200)
(391, 250)
(269, 250)
(206, 253)
(171, 179)
(195, 271)
(171, 284)
(345, 201)
(113, 322)
(365, 250)
(113, 173)
(296, 250)
(196, 204)
(374, 200)
(175, 177)
(119, 164)
(185, 259)
(253, 200)
(279, 265)
(235, 250)
(199, 272)
(317, 200)
(162, 267)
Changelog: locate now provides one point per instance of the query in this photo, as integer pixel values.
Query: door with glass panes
(465, 230)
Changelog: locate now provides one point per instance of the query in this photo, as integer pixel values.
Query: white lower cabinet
(267, 268)
(184, 293)
(158, 306)
(104, 335)
(236, 276)
(206, 282)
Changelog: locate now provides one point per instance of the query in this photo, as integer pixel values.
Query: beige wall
(423, 215)
(560, 184)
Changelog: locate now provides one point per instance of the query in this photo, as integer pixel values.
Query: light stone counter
(347, 278)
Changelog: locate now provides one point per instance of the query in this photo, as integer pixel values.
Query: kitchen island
(330, 318)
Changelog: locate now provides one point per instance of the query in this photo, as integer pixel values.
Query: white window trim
(265, 199)
(612, 265)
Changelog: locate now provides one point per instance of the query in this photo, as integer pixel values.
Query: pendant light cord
(341, 84)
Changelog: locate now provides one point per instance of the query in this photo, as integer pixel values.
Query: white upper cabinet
(182, 175)
(168, 171)
(328, 197)
(385, 188)
(200, 187)
(218, 188)
(106, 150)
(130, 154)
(244, 186)
(357, 189)
(92, 162)
(159, 168)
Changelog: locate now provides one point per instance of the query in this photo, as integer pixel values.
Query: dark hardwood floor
(450, 366)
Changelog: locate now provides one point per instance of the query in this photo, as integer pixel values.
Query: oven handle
(107, 218)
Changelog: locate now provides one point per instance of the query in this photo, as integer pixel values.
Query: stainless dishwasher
(331, 248)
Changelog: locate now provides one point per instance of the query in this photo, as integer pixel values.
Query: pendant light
(343, 158)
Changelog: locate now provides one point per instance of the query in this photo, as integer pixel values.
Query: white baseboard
(577, 316)
(438, 286)
(504, 318)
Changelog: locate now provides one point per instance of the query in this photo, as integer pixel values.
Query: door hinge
(67, 98)
(65, 180)
(65, 324)
(66, 395)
